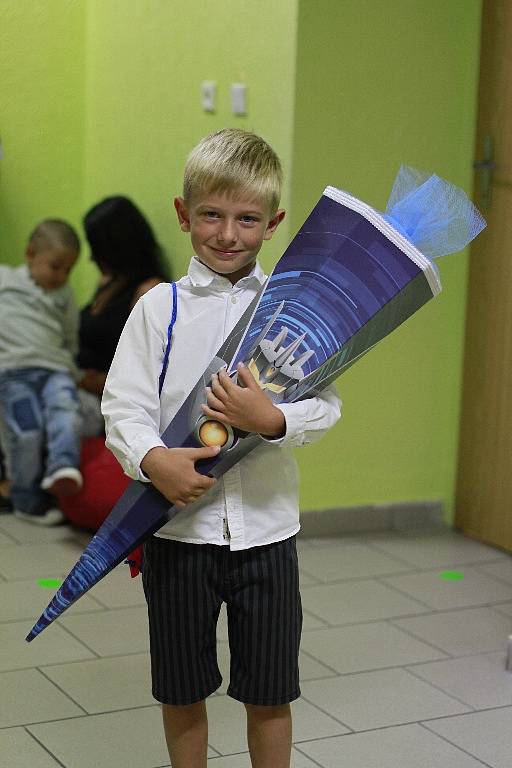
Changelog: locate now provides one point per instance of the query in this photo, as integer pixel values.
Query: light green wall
(42, 59)
(146, 61)
(379, 84)
(101, 97)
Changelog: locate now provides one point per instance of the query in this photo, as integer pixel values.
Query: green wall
(146, 61)
(42, 65)
(102, 97)
(377, 85)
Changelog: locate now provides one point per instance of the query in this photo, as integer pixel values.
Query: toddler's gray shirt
(38, 328)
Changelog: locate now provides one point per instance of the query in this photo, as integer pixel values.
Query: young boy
(39, 415)
(235, 541)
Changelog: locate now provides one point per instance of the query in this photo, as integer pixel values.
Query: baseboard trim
(377, 517)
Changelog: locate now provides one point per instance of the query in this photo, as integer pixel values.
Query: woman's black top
(99, 334)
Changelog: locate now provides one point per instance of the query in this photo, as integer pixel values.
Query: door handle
(486, 168)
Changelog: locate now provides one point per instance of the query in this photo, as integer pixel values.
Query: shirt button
(233, 299)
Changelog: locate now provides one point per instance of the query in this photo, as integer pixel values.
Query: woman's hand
(93, 381)
(246, 407)
(172, 471)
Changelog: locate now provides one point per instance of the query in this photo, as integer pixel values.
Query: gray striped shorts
(185, 585)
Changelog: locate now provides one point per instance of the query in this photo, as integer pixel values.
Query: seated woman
(131, 262)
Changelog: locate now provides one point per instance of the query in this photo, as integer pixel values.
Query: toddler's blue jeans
(40, 431)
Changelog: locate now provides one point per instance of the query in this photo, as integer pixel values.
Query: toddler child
(39, 410)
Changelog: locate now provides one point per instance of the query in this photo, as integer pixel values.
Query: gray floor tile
(475, 680)
(501, 570)
(119, 590)
(349, 562)
(104, 685)
(131, 739)
(436, 551)
(325, 542)
(241, 760)
(227, 724)
(111, 633)
(312, 669)
(344, 633)
(310, 622)
(356, 601)
(53, 646)
(222, 625)
(244, 761)
(486, 735)
(299, 760)
(367, 646)
(406, 746)
(27, 600)
(39, 562)
(6, 541)
(28, 697)
(378, 699)
(20, 750)
(461, 633)
(306, 580)
(223, 658)
(474, 589)
(499, 658)
(25, 533)
(505, 608)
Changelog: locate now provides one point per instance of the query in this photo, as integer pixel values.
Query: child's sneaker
(49, 517)
(63, 482)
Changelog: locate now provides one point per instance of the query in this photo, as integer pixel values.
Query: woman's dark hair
(122, 241)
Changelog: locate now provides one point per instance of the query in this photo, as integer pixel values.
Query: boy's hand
(172, 471)
(247, 408)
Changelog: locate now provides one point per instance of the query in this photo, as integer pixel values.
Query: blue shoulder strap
(169, 337)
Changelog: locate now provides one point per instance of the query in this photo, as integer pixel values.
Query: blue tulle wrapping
(434, 215)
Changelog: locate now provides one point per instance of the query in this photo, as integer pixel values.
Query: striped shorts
(185, 585)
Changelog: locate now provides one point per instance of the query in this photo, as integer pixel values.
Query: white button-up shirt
(256, 501)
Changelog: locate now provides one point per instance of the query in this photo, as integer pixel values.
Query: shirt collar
(202, 276)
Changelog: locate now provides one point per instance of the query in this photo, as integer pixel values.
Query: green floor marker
(49, 583)
(451, 575)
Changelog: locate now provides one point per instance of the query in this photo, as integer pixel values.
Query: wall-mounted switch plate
(208, 95)
(239, 99)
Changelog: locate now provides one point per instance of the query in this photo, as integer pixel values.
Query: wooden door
(484, 482)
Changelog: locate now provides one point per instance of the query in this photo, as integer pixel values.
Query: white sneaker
(50, 517)
(64, 482)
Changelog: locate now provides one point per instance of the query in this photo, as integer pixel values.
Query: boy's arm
(288, 424)
(130, 403)
(308, 420)
(131, 408)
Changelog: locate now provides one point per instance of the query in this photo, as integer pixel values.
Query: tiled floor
(400, 667)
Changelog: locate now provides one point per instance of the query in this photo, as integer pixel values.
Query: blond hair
(235, 162)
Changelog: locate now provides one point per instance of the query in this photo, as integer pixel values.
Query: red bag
(104, 483)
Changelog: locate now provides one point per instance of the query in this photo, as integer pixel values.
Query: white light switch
(208, 95)
(239, 99)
